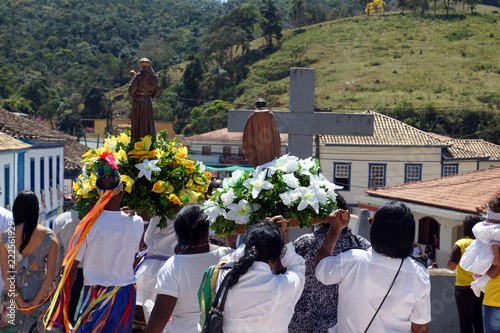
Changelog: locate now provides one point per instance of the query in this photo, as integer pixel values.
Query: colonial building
(439, 205)
(41, 166)
(398, 153)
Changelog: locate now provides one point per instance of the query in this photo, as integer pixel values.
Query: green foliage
(460, 34)
(97, 105)
(208, 117)
(71, 123)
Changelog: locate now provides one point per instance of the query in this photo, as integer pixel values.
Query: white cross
(301, 122)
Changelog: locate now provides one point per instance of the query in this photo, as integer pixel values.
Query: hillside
(383, 61)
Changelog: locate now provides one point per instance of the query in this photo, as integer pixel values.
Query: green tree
(71, 123)
(216, 78)
(296, 12)
(208, 117)
(473, 4)
(37, 92)
(270, 22)
(96, 105)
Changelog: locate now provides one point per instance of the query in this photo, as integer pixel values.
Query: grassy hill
(382, 61)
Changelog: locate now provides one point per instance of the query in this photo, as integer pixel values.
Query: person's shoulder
(224, 250)
(463, 242)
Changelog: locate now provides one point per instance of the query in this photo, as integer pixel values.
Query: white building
(398, 153)
(39, 168)
(439, 205)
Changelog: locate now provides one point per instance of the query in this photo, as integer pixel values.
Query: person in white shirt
(381, 289)
(180, 277)
(258, 300)
(64, 227)
(108, 252)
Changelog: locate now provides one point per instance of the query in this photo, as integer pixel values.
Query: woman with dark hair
(35, 248)
(381, 289)
(316, 310)
(257, 299)
(179, 279)
(468, 305)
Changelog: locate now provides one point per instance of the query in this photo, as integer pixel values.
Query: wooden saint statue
(143, 89)
(261, 138)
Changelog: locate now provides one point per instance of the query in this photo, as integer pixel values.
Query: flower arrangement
(158, 177)
(287, 186)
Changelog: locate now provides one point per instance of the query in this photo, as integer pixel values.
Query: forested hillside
(64, 60)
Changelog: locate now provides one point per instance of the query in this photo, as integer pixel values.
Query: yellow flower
(75, 187)
(152, 154)
(124, 138)
(175, 199)
(198, 180)
(147, 142)
(159, 153)
(162, 186)
(139, 146)
(121, 156)
(128, 183)
(182, 152)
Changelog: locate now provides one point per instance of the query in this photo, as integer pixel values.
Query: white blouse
(261, 301)
(364, 277)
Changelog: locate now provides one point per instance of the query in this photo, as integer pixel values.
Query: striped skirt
(107, 309)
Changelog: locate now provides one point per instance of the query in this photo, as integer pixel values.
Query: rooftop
(8, 143)
(224, 135)
(387, 131)
(21, 128)
(466, 192)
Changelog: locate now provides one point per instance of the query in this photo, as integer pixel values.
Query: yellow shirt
(492, 293)
(464, 278)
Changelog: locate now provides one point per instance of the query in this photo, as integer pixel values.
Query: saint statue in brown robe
(261, 138)
(143, 89)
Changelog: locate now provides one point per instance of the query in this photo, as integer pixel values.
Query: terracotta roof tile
(73, 151)
(224, 135)
(8, 143)
(387, 132)
(465, 192)
(480, 146)
(22, 128)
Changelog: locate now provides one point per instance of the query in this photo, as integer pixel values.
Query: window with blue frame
(342, 175)
(7, 185)
(413, 173)
(51, 171)
(449, 170)
(376, 175)
(58, 170)
(32, 174)
(42, 173)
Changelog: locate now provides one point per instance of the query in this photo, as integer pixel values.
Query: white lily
(289, 197)
(212, 210)
(328, 185)
(257, 183)
(307, 163)
(240, 212)
(147, 167)
(285, 163)
(290, 180)
(311, 196)
(201, 166)
(227, 198)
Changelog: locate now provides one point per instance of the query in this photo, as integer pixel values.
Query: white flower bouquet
(287, 186)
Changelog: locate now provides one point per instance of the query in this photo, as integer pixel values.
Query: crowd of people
(329, 280)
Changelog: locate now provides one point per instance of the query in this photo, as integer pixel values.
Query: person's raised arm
(338, 219)
(164, 306)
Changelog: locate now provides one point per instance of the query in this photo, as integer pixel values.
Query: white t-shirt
(364, 277)
(261, 301)
(64, 226)
(181, 277)
(5, 217)
(109, 249)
